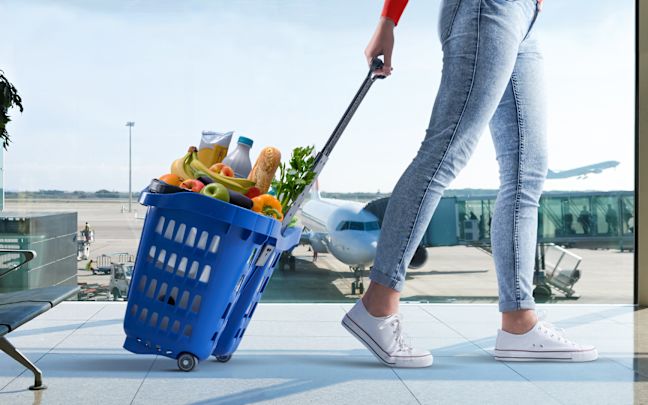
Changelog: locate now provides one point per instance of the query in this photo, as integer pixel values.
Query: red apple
(192, 185)
(227, 171)
(253, 192)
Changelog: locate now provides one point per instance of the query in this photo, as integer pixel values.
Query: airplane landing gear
(357, 285)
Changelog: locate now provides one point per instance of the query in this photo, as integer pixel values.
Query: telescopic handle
(322, 156)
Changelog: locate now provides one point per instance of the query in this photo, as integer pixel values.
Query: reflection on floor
(299, 353)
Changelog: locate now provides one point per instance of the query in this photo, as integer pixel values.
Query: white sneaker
(383, 337)
(544, 342)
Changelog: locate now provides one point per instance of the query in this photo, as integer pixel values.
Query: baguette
(265, 167)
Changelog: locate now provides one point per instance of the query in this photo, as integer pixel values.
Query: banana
(188, 158)
(179, 168)
(240, 185)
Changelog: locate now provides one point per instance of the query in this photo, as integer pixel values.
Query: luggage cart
(202, 266)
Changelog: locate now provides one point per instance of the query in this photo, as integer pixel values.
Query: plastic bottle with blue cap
(239, 159)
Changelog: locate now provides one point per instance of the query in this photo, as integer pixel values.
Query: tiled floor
(299, 353)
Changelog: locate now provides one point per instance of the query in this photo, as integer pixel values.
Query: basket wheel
(224, 359)
(353, 288)
(361, 289)
(187, 361)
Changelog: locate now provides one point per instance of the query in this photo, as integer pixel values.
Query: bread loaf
(265, 167)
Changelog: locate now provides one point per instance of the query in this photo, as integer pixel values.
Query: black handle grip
(376, 63)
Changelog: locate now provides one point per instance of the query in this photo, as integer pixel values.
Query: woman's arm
(382, 41)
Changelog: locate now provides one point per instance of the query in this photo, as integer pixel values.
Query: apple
(253, 192)
(227, 171)
(216, 190)
(223, 169)
(216, 167)
(192, 185)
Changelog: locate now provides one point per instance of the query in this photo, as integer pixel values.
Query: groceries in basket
(222, 181)
(213, 146)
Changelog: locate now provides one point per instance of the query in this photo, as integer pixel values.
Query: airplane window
(343, 226)
(372, 226)
(356, 226)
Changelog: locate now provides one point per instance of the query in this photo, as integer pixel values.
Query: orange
(172, 179)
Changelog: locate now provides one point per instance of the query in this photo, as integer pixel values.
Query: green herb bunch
(294, 177)
(8, 98)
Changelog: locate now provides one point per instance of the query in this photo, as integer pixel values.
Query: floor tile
(470, 380)
(275, 378)
(600, 382)
(78, 379)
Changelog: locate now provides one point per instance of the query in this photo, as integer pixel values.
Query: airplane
(582, 172)
(348, 231)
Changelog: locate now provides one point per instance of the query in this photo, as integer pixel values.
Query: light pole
(130, 125)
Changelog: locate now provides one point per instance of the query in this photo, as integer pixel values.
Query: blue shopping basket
(193, 260)
(202, 266)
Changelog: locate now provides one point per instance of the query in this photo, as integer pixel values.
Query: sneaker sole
(378, 352)
(564, 356)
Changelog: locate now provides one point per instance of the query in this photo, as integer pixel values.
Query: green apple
(216, 190)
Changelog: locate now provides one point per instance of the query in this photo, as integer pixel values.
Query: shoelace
(396, 321)
(554, 332)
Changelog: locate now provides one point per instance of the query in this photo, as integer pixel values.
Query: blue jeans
(492, 75)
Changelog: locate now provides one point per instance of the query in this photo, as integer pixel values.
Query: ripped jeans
(492, 75)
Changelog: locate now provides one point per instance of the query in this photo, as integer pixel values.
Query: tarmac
(457, 274)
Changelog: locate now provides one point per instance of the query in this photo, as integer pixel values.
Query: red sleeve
(393, 9)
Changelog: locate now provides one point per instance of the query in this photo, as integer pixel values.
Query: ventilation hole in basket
(226, 311)
(162, 293)
(142, 284)
(187, 330)
(143, 315)
(184, 300)
(213, 247)
(182, 267)
(204, 276)
(251, 258)
(168, 352)
(253, 309)
(171, 263)
(165, 323)
(242, 333)
(214, 337)
(154, 319)
(160, 261)
(274, 263)
(195, 305)
(180, 234)
(240, 282)
(175, 328)
(151, 289)
(151, 254)
(202, 242)
(134, 310)
(193, 271)
(173, 296)
(160, 226)
(169, 230)
(158, 348)
(245, 234)
(191, 238)
(237, 333)
(265, 282)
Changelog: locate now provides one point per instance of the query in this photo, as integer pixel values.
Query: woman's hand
(540, 5)
(382, 43)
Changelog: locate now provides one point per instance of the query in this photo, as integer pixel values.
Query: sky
(282, 72)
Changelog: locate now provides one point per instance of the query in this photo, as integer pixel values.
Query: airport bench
(20, 307)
